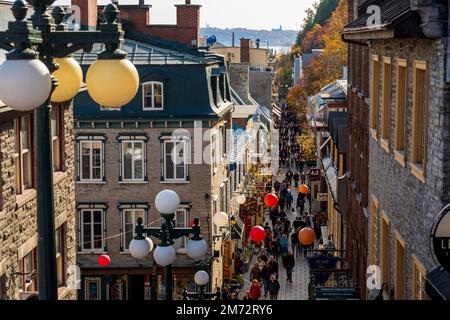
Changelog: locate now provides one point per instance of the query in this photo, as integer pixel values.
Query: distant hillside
(275, 38)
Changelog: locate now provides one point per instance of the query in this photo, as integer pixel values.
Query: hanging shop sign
(337, 293)
(440, 236)
(322, 197)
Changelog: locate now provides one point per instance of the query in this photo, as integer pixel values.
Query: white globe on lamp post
(167, 202)
(220, 219)
(140, 248)
(24, 84)
(201, 278)
(197, 249)
(241, 199)
(164, 255)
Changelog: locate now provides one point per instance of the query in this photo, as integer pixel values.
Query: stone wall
(412, 206)
(18, 224)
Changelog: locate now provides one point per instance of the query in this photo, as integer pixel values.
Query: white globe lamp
(140, 248)
(241, 199)
(201, 278)
(220, 219)
(24, 84)
(164, 255)
(167, 202)
(197, 249)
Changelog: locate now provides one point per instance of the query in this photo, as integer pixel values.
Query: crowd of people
(290, 149)
(287, 219)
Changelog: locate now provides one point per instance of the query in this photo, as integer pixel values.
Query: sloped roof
(391, 11)
(140, 53)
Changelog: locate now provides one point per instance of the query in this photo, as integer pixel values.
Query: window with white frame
(214, 152)
(129, 218)
(24, 153)
(92, 228)
(153, 95)
(28, 269)
(182, 221)
(133, 160)
(56, 119)
(60, 244)
(175, 161)
(91, 161)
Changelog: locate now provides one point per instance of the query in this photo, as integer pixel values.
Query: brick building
(137, 18)
(357, 157)
(18, 221)
(408, 136)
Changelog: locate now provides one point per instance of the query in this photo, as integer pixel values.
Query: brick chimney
(245, 50)
(188, 19)
(88, 11)
(240, 79)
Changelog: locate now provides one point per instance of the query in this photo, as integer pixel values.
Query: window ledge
(91, 182)
(374, 134)
(400, 157)
(153, 109)
(418, 172)
(175, 182)
(385, 144)
(25, 197)
(91, 252)
(133, 182)
(58, 176)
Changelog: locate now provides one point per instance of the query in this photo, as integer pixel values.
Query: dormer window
(153, 95)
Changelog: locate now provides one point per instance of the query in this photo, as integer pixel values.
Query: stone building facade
(18, 222)
(408, 140)
(358, 158)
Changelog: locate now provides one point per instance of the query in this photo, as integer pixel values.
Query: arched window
(153, 95)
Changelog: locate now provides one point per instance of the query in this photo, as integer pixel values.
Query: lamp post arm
(181, 232)
(155, 232)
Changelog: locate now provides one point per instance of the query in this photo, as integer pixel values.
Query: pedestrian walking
(289, 264)
(296, 179)
(274, 288)
(284, 242)
(265, 277)
(294, 242)
(255, 273)
(255, 290)
(273, 266)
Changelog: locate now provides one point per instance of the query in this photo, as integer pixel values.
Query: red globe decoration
(306, 236)
(257, 234)
(271, 200)
(104, 260)
(303, 189)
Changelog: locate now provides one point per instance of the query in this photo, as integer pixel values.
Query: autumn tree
(307, 147)
(325, 68)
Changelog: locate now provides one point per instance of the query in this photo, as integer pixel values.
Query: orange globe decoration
(306, 236)
(303, 189)
(271, 200)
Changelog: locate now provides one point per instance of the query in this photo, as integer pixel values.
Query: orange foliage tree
(324, 68)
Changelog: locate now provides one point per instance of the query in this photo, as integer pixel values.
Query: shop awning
(276, 110)
(438, 284)
(237, 228)
(330, 175)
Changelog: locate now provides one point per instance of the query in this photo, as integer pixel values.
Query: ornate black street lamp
(37, 48)
(201, 278)
(167, 203)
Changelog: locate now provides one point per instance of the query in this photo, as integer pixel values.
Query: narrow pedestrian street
(298, 289)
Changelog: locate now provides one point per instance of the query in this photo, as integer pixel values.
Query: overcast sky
(251, 14)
